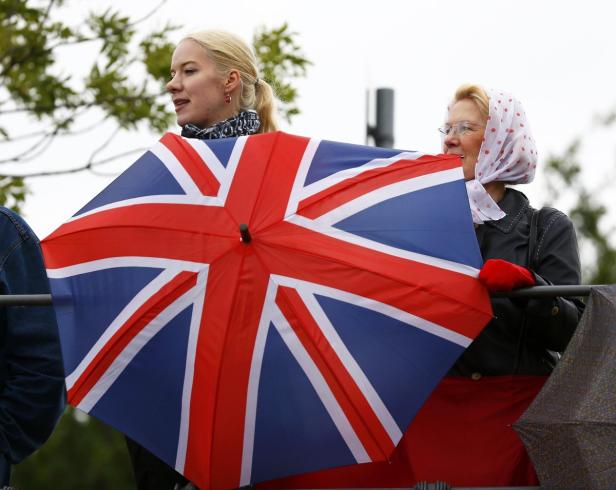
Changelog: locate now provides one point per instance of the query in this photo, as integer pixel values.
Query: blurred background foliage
(566, 190)
(82, 453)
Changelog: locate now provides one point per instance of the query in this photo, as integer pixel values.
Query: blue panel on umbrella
(294, 433)
(435, 221)
(148, 176)
(332, 157)
(83, 319)
(403, 363)
(222, 148)
(145, 401)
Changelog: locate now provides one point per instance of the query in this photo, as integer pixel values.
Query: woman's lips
(179, 104)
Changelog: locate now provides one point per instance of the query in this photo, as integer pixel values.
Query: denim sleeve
(32, 394)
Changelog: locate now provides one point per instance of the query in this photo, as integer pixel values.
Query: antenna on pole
(383, 131)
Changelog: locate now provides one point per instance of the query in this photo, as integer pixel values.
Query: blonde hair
(475, 93)
(229, 52)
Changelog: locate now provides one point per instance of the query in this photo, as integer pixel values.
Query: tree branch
(103, 146)
(149, 14)
(82, 168)
(43, 143)
(74, 132)
(17, 110)
(47, 12)
(71, 43)
(82, 105)
(88, 39)
(31, 152)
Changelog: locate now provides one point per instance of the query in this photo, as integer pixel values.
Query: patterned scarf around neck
(243, 124)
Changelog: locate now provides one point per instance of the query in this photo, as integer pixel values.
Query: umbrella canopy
(570, 428)
(255, 307)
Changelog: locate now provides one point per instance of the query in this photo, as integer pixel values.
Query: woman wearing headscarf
(468, 418)
(490, 133)
(217, 93)
(463, 435)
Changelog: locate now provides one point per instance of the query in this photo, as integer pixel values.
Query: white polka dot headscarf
(508, 154)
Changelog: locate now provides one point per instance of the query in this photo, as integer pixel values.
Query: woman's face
(196, 87)
(467, 127)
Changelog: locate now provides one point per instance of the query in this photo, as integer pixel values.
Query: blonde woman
(216, 89)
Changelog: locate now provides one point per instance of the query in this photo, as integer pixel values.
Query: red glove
(500, 275)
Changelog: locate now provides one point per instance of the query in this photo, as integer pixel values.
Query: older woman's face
(467, 125)
(196, 87)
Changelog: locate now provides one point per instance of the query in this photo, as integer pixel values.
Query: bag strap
(531, 256)
(531, 262)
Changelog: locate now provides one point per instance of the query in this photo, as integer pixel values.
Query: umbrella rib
(380, 274)
(135, 226)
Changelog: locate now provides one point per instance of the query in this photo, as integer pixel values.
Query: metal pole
(534, 292)
(547, 292)
(383, 131)
(25, 299)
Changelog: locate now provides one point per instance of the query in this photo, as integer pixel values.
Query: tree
(123, 86)
(280, 60)
(54, 104)
(565, 183)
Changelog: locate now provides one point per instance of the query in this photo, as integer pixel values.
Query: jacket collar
(514, 204)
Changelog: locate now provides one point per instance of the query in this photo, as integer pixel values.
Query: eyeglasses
(460, 128)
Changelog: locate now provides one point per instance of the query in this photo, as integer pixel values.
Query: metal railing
(533, 292)
(25, 299)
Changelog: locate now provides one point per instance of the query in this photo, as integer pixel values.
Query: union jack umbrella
(255, 307)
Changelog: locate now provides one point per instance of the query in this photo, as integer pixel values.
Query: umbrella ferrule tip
(245, 233)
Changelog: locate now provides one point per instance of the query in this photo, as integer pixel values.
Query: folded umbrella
(570, 428)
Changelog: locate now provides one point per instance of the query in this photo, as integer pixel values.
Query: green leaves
(82, 453)
(115, 32)
(29, 40)
(156, 55)
(564, 170)
(565, 182)
(13, 192)
(280, 61)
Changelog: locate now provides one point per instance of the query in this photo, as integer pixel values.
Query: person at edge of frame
(32, 393)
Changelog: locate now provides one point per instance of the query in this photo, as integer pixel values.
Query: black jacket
(523, 332)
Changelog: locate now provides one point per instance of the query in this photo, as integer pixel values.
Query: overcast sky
(557, 57)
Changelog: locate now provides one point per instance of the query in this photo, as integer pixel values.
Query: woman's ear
(233, 80)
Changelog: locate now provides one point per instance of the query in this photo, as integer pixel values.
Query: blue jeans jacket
(32, 395)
